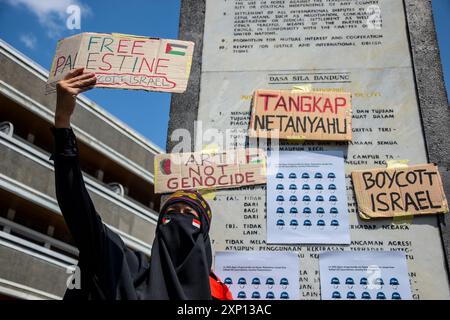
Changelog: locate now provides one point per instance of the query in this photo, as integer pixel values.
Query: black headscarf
(181, 256)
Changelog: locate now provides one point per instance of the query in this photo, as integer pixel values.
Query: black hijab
(181, 255)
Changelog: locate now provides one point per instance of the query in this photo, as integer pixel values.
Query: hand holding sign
(74, 83)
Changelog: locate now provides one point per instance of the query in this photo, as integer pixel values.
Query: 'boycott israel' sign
(301, 115)
(125, 61)
(209, 169)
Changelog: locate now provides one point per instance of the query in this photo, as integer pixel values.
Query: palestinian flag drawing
(165, 220)
(165, 166)
(196, 223)
(176, 49)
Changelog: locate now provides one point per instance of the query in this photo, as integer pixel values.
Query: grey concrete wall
(42, 178)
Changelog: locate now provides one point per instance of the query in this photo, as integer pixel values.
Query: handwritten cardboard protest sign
(301, 115)
(394, 192)
(125, 61)
(209, 169)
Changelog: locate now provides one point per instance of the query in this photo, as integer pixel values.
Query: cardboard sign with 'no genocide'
(394, 192)
(125, 61)
(209, 170)
(294, 115)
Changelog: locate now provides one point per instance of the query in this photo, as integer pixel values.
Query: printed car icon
(284, 281)
(228, 281)
(393, 282)
(318, 175)
(363, 281)
(270, 295)
(292, 175)
(280, 198)
(293, 223)
(241, 295)
(293, 187)
(280, 223)
(279, 175)
(319, 187)
(256, 281)
(334, 210)
(365, 295)
(396, 296)
(319, 198)
(307, 210)
(334, 223)
(351, 295)
(332, 187)
(293, 198)
(284, 295)
(256, 295)
(321, 223)
(293, 210)
(335, 281)
(381, 296)
(331, 175)
(306, 198)
(332, 199)
(305, 175)
(280, 210)
(349, 281)
(320, 210)
(379, 281)
(306, 187)
(242, 281)
(336, 295)
(307, 223)
(280, 187)
(270, 282)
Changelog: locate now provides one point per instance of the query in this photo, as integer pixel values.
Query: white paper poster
(306, 198)
(364, 276)
(259, 275)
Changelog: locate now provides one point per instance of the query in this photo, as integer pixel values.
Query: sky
(34, 26)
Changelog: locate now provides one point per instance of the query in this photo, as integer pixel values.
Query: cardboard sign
(301, 115)
(390, 192)
(125, 61)
(208, 169)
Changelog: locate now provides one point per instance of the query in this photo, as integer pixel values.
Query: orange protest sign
(209, 169)
(301, 115)
(125, 61)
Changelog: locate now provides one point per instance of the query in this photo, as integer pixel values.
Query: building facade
(37, 253)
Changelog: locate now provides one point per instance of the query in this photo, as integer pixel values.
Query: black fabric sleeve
(94, 240)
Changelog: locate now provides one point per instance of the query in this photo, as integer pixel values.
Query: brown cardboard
(394, 192)
(209, 170)
(299, 115)
(125, 61)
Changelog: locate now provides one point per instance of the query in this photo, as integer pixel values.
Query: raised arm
(92, 237)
